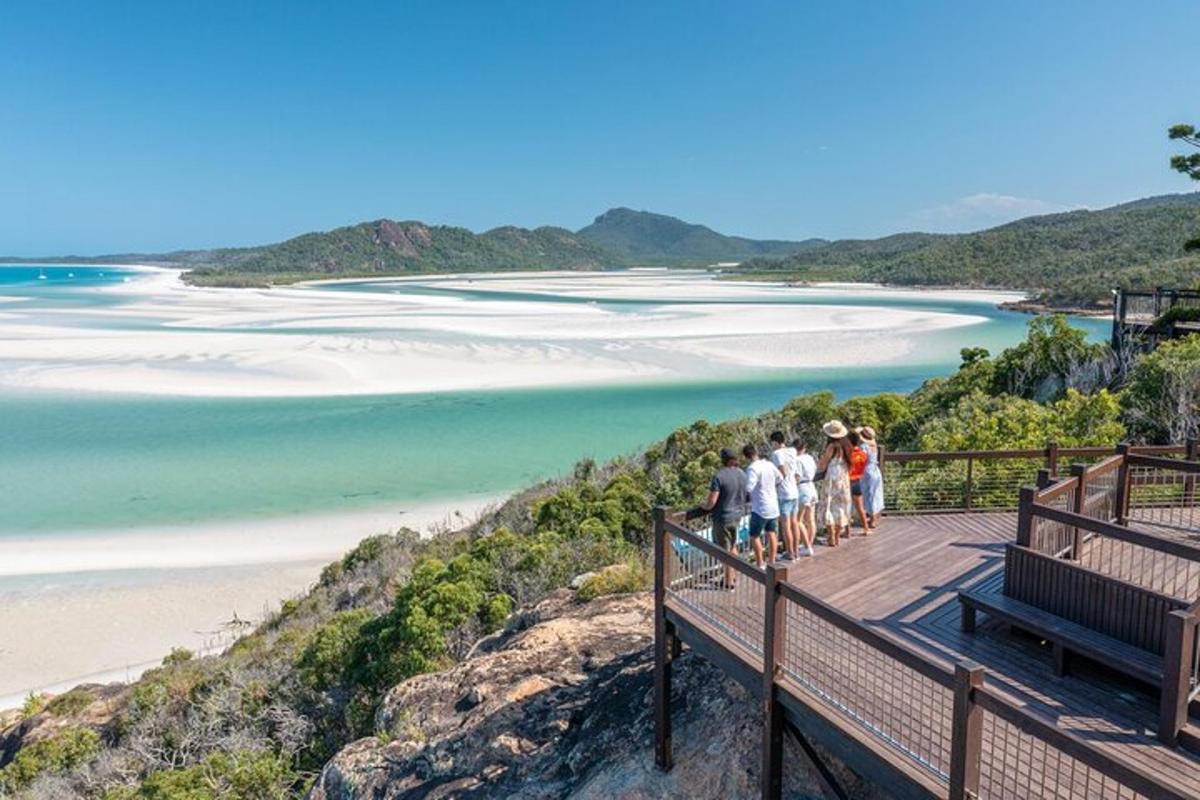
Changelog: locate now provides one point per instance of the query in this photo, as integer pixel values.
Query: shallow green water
(75, 462)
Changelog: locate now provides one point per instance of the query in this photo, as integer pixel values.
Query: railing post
(1122, 509)
(1179, 641)
(773, 640)
(966, 738)
(1025, 517)
(665, 646)
(1052, 457)
(1044, 478)
(1079, 472)
(970, 480)
(1189, 482)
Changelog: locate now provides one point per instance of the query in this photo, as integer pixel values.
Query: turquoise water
(73, 462)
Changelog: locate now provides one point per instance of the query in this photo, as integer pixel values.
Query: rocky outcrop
(408, 238)
(561, 708)
(89, 705)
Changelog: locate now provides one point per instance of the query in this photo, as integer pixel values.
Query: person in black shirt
(726, 505)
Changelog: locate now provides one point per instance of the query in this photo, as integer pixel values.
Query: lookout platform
(863, 648)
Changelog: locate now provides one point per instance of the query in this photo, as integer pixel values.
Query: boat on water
(41, 274)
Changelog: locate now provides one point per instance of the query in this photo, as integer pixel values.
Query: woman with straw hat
(835, 460)
(872, 478)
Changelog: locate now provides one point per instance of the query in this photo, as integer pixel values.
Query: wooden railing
(941, 729)
(1077, 557)
(1181, 680)
(979, 480)
(1161, 491)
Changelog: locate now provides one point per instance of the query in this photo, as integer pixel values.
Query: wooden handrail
(711, 549)
(1115, 531)
(902, 456)
(1056, 489)
(1110, 464)
(1158, 462)
(914, 660)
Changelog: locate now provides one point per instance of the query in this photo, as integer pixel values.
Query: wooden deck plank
(904, 581)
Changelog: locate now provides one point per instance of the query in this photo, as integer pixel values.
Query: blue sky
(150, 126)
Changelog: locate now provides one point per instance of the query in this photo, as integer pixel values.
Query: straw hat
(834, 429)
(867, 432)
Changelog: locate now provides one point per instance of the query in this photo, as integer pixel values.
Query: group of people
(780, 490)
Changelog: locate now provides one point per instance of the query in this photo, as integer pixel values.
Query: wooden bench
(1065, 636)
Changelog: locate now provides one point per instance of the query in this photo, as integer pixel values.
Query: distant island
(1067, 260)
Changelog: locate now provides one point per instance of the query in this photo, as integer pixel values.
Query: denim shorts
(759, 524)
(788, 507)
(808, 494)
(856, 488)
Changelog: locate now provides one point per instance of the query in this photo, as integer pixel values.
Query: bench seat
(1066, 637)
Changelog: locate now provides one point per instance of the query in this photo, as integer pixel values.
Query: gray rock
(563, 709)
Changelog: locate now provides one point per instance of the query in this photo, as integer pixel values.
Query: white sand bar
(453, 333)
(104, 606)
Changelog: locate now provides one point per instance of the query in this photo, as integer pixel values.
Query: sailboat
(41, 274)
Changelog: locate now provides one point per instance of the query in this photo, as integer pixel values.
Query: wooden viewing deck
(863, 647)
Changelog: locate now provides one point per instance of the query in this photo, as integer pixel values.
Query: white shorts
(808, 494)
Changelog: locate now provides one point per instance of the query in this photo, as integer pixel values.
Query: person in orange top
(858, 466)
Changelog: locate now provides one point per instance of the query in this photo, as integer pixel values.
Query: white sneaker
(807, 551)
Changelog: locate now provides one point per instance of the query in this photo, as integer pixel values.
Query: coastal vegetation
(260, 719)
(1072, 259)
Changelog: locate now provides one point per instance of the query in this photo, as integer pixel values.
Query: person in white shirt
(784, 459)
(806, 473)
(763, 482)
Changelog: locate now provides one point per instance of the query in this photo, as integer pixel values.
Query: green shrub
(72, 702)
(34, 704)
(1162, 397)
(633, 576)
(242, 775)
(322, 662)
(178, 655)
(68, 749)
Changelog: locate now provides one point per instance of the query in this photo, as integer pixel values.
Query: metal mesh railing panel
(1050, 537)
(696, 579)
(902, 708)
(1142, 566)
(977, 483)
(1016, 765)
(1164, 498)
(1100, 495)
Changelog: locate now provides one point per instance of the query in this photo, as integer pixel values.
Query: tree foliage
(1070, 259)
(1162, 399)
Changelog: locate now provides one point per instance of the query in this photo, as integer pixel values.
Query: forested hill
(1069, 259)
(384, 247)
(644, 238)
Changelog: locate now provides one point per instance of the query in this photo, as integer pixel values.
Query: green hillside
(384, 247)
(1068, 259)
(644, 238)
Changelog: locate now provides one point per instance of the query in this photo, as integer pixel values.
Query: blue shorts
(759, 524)
(788, 507)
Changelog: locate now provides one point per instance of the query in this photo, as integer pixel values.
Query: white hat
(834, 429)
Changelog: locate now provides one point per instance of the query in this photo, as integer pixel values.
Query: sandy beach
(171, 339)
(105, 603)
(104, 606)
